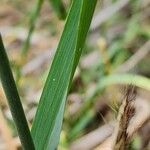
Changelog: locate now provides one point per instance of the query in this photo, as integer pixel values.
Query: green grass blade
(48, 119)
(14, 100)
(59, 8)
(137, 80)
(123, 79)
(34, 15)
(84, 24)
(81, 124)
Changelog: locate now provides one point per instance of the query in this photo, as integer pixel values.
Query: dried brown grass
(134, 112)
(126, 112)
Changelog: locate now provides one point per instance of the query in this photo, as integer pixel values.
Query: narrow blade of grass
(14, 100)
(34, 15)
(59, 8)
(136, 80)
(49, 116)
(82, 123)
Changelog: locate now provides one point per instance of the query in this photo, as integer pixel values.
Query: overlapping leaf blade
(48, 120)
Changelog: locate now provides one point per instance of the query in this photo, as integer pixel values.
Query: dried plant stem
(141, 116)
(126, 112)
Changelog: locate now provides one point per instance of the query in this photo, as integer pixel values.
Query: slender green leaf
(49, 116)
(59, 8)
(136, 80)
(34, 15)
(113, 79)
(81, 124)
(14, 100)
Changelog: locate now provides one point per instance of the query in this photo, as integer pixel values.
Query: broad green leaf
(48, 120)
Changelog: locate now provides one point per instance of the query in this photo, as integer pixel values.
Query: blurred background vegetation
(116, 53)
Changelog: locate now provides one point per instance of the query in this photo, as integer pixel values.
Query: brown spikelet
(126, 112)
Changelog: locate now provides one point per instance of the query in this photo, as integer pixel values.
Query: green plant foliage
(113, 79)
(14, 100)
(59, 8)
(136, 80)
(124, 79)
(34, 15)
(47, 124)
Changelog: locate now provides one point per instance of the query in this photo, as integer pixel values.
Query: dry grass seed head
(126, 112)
